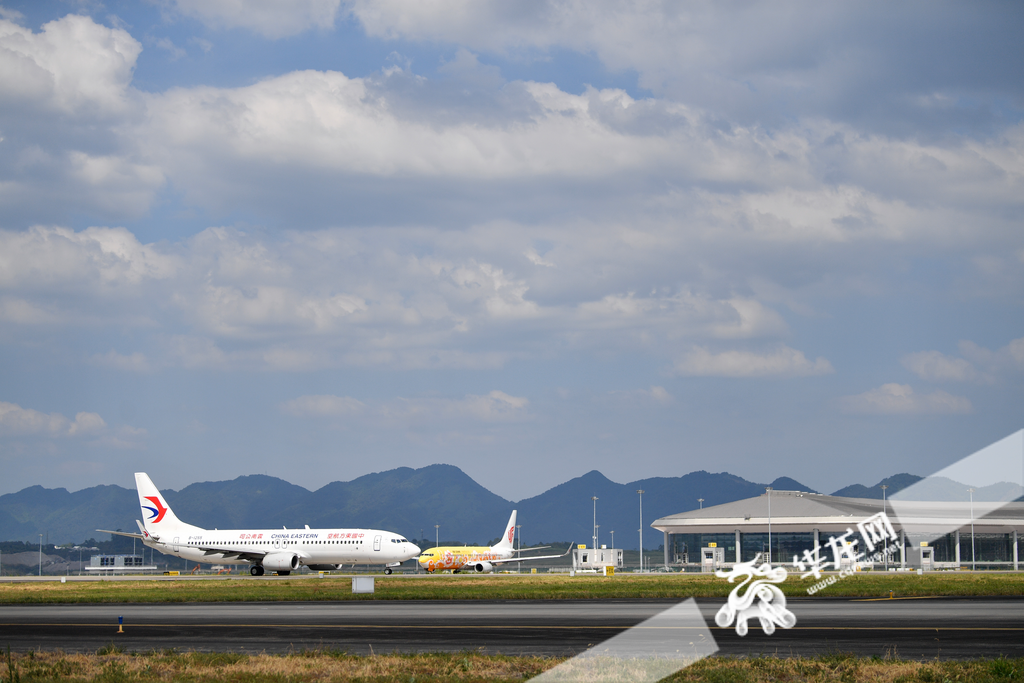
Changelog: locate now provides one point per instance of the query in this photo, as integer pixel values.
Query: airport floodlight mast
(597, 534)
(641, 493)
(701, 502)
(768, 490)
(437, 528)
(885, 556)
(519, 532)
(613, 539)
(41, 553)
(594, 537)
(971, 491)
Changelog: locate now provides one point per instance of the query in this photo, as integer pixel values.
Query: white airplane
(279, 550)
(480, 559)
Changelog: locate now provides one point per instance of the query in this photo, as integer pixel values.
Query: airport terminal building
(735, 532)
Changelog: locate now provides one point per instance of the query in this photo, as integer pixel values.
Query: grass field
(470, 587)
(111, 665)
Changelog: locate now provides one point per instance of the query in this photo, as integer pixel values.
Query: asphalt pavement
(946, 628)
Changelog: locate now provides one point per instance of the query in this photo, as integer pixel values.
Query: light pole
(613, 540)
(701, 501)
(436, 532)
(641, 493)
(885, 555)
(768, 490)
(519, 531)
(594, 537)
(41, 554)
(971, 491)
(597, 534)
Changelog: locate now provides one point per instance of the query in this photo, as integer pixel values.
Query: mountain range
(409, 501)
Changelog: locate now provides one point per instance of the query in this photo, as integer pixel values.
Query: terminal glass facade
(686, 547)
(784, 546)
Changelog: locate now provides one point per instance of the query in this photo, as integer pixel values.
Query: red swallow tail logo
(158, 512)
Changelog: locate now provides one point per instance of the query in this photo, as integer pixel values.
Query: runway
(947, 628)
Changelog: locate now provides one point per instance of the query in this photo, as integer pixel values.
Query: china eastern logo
(158, 512)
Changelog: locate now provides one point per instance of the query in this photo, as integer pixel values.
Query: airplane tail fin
(157, 515)
(510, 533)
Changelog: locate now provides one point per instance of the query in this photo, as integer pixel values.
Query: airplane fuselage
(311, 546)
(459, 557)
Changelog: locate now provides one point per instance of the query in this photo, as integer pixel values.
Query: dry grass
(118, 667)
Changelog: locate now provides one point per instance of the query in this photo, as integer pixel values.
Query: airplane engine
(324, 567)
(281, 562)
(483, 567)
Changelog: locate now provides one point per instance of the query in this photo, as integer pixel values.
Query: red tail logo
(511, 533)
(158, 512)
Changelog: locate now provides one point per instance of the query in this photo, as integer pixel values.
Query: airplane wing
(533, 557)
(247, 555)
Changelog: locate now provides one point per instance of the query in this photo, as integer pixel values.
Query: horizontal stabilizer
(120, 533)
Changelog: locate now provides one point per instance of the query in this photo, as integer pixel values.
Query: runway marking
(908, 597)
(477, 627)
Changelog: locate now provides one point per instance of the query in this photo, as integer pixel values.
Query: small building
(117, 563)
(584, 558)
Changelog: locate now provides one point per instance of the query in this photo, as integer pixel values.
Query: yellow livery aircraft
(481, 559)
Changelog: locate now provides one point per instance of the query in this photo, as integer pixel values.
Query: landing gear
(283, 573)
(256, 570)
(387, 570)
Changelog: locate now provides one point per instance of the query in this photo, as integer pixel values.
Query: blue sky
(317, 239)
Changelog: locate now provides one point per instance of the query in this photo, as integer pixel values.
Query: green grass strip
(113, 665)
(489, 587)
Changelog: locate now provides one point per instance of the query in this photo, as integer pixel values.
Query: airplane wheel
(387, 570)
(283, 573)
(256, 570)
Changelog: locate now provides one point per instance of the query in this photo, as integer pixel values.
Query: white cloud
(73, 65)
(86, 423)
(496, 406)
(537, 260)
(978, 365)
(270, 18)
(900, 399)
(654, 393)
(660, 394)
(938, 367)
(18, 421)
(758, 64)
(324, 405)
(175, 52)
(52, 257)
(782, 362)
